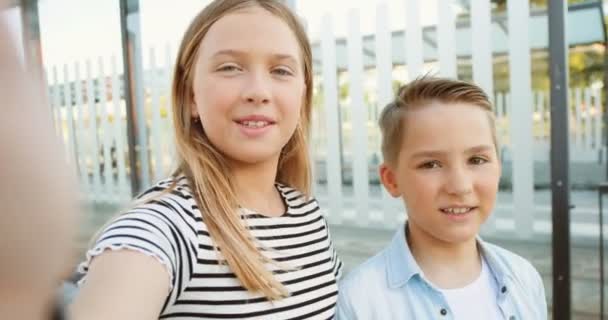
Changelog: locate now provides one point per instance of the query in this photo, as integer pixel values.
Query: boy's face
(447, 171)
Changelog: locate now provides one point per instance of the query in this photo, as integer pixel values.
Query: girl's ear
(193, 106)
(194, 109)
(388, 179)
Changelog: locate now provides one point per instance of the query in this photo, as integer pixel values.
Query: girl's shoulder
(170, 203)
(289, 192)
(174, 194)
(160, 220)
(297, 202)
(293, 195)
(171, 186)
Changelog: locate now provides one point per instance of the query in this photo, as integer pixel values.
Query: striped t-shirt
(170, 228)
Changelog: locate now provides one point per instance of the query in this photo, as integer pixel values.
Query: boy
(441, 158)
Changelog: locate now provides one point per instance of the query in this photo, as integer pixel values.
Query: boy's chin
(459, 236)
(455, 236)
(450, 235)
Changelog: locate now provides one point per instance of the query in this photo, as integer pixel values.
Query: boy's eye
(477, 160)
(429, 165)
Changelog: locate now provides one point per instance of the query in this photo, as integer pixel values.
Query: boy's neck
(255, 187)
(446, 265)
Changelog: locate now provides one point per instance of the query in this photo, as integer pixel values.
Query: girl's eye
(429, 165)
(282, 72)
(228, 68)
(477, 160)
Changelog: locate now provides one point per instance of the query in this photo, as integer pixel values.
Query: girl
(441, 158)
(233, 233)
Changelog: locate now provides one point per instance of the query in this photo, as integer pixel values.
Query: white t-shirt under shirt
(171, 229)
(476, 301)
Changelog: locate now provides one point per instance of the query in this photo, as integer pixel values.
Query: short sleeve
(335, 258)
(143, 229)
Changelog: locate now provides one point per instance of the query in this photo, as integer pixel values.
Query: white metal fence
(90, 115)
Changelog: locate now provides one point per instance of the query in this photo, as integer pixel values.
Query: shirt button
(503, 289)
(444, 312)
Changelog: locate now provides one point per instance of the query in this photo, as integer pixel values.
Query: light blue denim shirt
(390, 286)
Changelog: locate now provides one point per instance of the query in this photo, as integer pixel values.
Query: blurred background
(108, 66)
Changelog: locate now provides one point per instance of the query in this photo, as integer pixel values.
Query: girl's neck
(446, 265)
(255, 188)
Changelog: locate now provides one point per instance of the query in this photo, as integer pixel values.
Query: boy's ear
(388, 179)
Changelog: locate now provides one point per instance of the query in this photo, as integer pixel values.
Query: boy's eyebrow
(238, 53)
(437, 153)
(428, 154)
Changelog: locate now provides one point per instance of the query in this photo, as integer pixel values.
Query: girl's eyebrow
(238, 53)
(228, 52)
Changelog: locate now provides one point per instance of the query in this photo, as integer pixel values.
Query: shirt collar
(498, 267)
(401, 265)
(400, 262)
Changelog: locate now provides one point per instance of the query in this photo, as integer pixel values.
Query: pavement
(356, 242)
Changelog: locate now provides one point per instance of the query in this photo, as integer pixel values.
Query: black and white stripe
(171, 229)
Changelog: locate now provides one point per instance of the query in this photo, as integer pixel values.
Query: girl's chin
(255, 158)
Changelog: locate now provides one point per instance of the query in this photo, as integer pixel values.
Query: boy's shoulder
(370, 274)
(383, 270)
(526, 281)
(506, 257)
(365, 292)
(511, 263)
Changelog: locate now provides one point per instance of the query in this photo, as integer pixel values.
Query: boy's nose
(459, 182)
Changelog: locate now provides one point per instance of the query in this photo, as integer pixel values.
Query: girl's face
(249, 85)
(447, 171)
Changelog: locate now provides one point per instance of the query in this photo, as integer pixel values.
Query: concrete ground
(355, 244)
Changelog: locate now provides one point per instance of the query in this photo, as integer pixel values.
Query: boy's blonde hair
(206, 167)
(423, 92)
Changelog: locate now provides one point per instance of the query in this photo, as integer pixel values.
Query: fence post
(359, 119)
(521, 121)
(560, 158)
(134, 96)
(330, 85)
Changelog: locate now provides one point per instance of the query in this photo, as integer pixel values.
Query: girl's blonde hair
(206, 168)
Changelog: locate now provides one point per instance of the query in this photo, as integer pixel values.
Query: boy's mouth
(457, 211)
